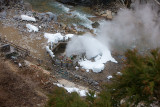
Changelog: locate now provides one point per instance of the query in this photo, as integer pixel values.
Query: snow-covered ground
(73, 89)
(55, 38)
(28, 18)
(32, 28)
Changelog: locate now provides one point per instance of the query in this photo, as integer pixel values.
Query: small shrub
(60, 98)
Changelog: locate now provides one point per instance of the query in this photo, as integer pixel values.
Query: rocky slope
(4, 3)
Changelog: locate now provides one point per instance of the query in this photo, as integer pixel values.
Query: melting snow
(28, 18)
(109, 77)
(50, 51)
(55, 38)
(119, 73)
(73, 89)
(68, 36)
(31, 28)
(76, 68)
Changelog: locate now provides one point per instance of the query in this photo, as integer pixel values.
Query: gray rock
(51, 16)
(47, 17)
(39, 16)
(17, 17)
(44, 18)
(3, 14)
(95, 24)
(29, 13)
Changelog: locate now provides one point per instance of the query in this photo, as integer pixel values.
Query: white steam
(85, 44)
(92, 48)
(138, 27)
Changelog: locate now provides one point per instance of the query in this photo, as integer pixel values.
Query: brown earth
(23, 87)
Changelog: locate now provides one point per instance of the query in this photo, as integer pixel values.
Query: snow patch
(20, 65)
(76, 68)
(94, 66)
(73, 89)
(28, 18)
(32, 28)
(55, 38)
(109, 77)
(68, 36)
(119, 73)
(50, 51)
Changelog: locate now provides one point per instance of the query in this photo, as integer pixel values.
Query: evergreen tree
(140, 81)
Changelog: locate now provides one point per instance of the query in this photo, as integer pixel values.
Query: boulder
(40, 16)
(47, 17)
(95, 24)
(51, 16)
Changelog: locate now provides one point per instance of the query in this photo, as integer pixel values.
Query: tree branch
(157, 2)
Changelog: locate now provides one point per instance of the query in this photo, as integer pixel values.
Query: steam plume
(136, 27)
